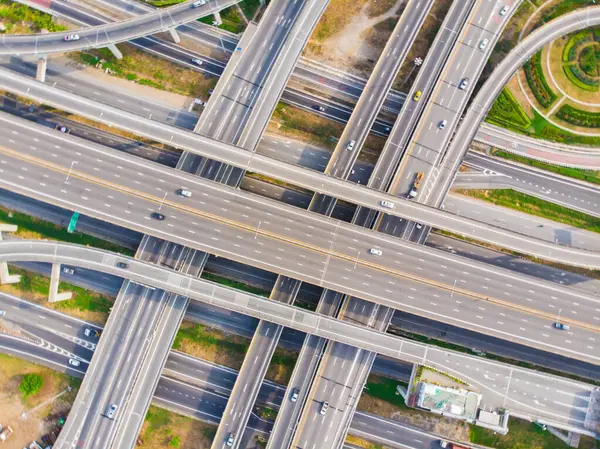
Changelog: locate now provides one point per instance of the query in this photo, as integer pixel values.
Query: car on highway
(123, 265)
(71, 37)
(74, 362)
(350, 145)
(375, 252)
(69, 271)
(442, 124)
(157, 216)
(2, 312)
(483, 44)
(463, 83)
(89, 332)
(197, 61)
(419, 226)
(294, 395)
(230, 438)
(417, 95)
(504, 10)
(561, 326)
(198, 3)
(62, 129)
(387, 204)
(112, 410)
(319, 108)
(184, 192)
(324, 407)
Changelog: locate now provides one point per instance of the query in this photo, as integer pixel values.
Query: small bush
(588, 60)
(175, 442)
(507, 112)
(537, 81)
(580, 79)
(579, 117)
(31, 384)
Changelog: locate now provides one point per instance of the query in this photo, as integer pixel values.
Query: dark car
(318, 108)
(62, 129)
(122, 265)
(158, 216)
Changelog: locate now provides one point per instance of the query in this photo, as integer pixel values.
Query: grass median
(535, 206)
(34, 228)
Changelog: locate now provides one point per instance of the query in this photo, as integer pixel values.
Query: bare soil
(12, 402)
(348, 35)
(449, 428)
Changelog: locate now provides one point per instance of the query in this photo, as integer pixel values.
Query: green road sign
(73, 222)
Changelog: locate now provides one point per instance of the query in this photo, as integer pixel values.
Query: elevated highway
(110, 34)
(309, 179)
(511, 386)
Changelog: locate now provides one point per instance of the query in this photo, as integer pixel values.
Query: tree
(31, 384)
(175, 441)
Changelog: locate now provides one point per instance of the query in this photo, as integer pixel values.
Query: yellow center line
(300, 244)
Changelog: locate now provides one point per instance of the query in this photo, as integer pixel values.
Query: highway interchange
(258, 231)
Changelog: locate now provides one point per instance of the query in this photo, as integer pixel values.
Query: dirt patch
(12, 402)
(163, 428)
(450, 428)
(377, 7)
(348, 35)
(515, 90)
(359, 442)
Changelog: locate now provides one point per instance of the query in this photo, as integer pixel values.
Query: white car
(463, 83)
(184, 192)
(387, 204)
(294, 396)
(230, 439)
(69, 271)
(376, 252)
(198, 3)
(2, 312)
(350, 145)
(442, 124)
(483, 44)
(419, 226)
(324, 407)
(111, 411)
(71, 37)
(197, 61)
(74, 362)
(504, 10)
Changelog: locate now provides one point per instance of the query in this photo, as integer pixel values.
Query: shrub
(31, 384)
(537, 81)
(588, 61)
(579, 117)
(507, 112)
(580, 79)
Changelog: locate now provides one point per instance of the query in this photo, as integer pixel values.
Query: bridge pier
(5, 277)
(174, 35)
(218, 20)
(115, 51)
(53, 295)
(42, 65)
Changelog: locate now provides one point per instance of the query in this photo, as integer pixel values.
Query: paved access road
(522, 391)
(295, 175)
(104, 35)
(517, 221)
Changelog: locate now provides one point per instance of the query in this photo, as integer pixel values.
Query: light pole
(162, 201)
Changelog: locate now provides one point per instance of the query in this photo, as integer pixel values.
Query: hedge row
(588, 60)
(580, 79)
(575, 41)
(579, 117)
(537, 81)
(508, 113)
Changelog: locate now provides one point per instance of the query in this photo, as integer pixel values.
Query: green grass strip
(535, 206)
(48, 230)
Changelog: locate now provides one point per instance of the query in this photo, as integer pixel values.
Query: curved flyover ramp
(561, 26)
(105, 35)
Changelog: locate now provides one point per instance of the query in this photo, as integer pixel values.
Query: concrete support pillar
(115, 51)
(218, 20)
(42, 65)
(5, 277)
(53, 295)
(174, 35)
